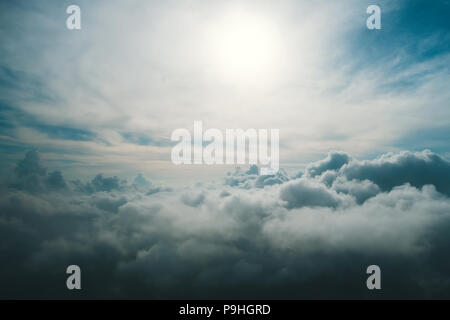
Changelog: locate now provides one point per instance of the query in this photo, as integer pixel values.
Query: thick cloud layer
(305, 237)
(390, 170)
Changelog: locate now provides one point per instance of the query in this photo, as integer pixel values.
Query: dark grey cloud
(334, 161)
(108, 202)
(341, 172)
(394, 169)
(361, 190)
(302, 192)
(30, 175)
(250, 178)
(300, 238)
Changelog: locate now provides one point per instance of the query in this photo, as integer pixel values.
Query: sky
(86, 176)
(107, 97)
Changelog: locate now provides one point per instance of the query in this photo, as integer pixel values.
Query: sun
(245, 47)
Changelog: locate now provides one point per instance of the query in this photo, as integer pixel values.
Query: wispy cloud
(135, 72)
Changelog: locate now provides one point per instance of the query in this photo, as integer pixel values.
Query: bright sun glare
(245, 47)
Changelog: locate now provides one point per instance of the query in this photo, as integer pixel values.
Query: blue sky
(107, 97)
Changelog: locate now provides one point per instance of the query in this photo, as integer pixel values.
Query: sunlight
(245, 48)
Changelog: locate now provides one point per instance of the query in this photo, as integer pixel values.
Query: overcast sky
(107, 97)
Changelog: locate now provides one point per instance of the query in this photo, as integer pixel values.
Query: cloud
(394, 169)
(251, 178)
(216, 241)
(361, 190)
(252, 236)
(193, 200)
(334, 161)
(30, 175)
(366, 178)
(302, 192)
(63, 99)
(99, 183)
(108, 202)
(141, 181)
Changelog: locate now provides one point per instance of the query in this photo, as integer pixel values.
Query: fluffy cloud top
(305, 237)
(393, 169)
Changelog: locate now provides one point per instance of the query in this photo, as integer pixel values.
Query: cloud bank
(309, 236)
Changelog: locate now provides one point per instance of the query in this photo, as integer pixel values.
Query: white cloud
(225, 241)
